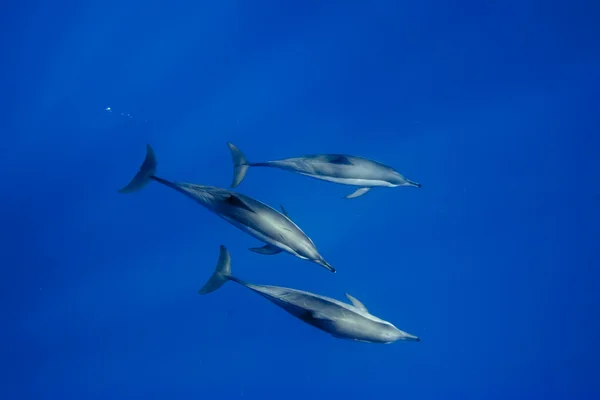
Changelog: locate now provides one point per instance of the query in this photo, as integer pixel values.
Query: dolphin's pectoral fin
(318, 320)
(358, 192)
(338, 159)
(306, 316)
(268, 249)
(320, 315)
(357, 303)
(237, 202)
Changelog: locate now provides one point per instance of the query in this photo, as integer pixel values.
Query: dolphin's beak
(326, 265)
(407, 336)
(413, 184)
(411, 337)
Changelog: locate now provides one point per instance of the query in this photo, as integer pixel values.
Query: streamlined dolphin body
(251, 216)
(344, 321)
(338, 168)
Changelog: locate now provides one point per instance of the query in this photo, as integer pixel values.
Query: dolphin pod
(279, 233)
(247, 214)
(341, 320)
(338, 168)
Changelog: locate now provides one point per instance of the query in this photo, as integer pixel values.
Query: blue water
(493, 262)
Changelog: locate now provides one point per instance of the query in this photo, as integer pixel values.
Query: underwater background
(493, 263)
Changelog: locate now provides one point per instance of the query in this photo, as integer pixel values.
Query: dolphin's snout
(326, 265)
(413, 183)
(408, 336)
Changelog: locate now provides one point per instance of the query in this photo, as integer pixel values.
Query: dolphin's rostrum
(259, 220)
(344, 321)
(338, 168)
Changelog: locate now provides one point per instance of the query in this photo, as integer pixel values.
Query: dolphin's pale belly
(351, 181)
(255, 218)
(356, 172)
(260, 236)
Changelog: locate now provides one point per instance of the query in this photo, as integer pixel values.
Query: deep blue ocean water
(493, 262)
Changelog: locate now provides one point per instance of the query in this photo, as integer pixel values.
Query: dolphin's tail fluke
(240, 165)
(221, 275)
(146, 172)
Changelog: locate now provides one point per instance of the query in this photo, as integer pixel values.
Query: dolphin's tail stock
(221, 275)
(146, 172)
(240, 165)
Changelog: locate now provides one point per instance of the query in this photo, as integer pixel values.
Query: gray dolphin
(338, 168)
(343, 321)
(251, 216)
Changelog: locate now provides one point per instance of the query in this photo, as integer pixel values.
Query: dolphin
(250, 215)
(338, 168)
(341, 320)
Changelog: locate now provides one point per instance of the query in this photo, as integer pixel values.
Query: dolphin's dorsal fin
(237, 202)
(338, 159)
(357, 303)
(283, 210)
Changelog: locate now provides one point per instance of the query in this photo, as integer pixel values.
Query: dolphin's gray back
(335, 165)
(339, 319)
(246, 212)
(293, 299)
(270, 221)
